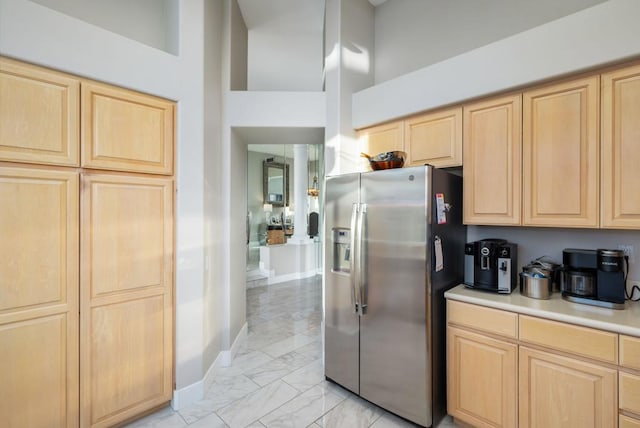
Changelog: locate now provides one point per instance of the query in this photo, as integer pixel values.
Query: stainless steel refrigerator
(394, 243)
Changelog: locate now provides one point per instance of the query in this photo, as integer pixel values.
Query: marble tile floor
(277, 377)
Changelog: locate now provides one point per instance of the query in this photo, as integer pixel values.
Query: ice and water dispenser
(341, 239)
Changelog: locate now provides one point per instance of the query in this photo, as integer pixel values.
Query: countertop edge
(541, 313)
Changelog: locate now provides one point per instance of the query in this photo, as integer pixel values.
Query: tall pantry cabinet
(86, 259)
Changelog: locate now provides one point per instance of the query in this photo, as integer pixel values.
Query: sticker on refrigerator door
(441, 209)
(437, 244)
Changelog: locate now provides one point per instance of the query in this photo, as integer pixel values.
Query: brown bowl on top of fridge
(386, 160)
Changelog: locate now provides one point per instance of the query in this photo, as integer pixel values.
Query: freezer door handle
(362, 278)
(353, 257)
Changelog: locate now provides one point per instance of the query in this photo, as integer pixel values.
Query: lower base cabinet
(481, 378)
(562, 392)
(627, 422)
(501, 374)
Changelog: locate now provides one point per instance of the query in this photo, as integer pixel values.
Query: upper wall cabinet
(492, 158)
(126, 131)
(561, 154)
(434, 138)
(382, 138)
(39, 112)
(620, 149)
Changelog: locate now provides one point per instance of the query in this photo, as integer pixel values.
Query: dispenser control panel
(341, 245)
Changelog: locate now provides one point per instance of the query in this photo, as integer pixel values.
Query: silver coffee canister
(535, 285)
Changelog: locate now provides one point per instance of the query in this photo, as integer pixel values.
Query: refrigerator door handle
(354, 257)
(362, 278)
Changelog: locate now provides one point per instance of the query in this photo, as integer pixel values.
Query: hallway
(276, 379)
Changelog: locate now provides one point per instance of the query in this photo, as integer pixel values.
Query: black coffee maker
(490, 264)
(594, 277)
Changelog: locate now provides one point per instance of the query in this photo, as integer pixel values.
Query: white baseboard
(190, 394)
(227, 356)
(290, 277)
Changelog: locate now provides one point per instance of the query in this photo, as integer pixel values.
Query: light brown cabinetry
(39, 115)
(629, 381)
(620, 154)
(387, 137)
(582, 341)
(566, 375)
(434, 138)
(481, 379)
(630, 392)
(114, 360)
(482, 359)
(126, 297)
(562, 392)
(492, 160)
(38, 297)
(126, 131)
(560, 152)
(627, 422)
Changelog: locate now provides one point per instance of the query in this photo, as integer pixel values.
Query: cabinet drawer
(629, 392)
(478, 317)
(627, 422)
(583, 341)
(630, 352)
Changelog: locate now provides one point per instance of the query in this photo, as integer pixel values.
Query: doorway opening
(284, 209)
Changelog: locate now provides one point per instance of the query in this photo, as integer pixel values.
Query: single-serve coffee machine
(491, 264)
(594, 277)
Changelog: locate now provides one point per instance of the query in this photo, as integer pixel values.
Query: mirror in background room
(275, 183)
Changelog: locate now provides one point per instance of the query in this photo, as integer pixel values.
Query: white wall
(31, 32)
(348, 53)
(284, 44)
(602, 34)
(212, 297)
(276, 109)
(279, 61)
(412, 34)
(237, 234)
(152, 22)
(534, 242)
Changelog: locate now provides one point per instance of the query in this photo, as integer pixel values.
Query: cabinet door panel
(629, 392)
(38, 298)
(621, 148)
(126, 131)
(627, 422)
(560, 155)
(481, 379)
(126, 338)
(435, 138)
(39, 115)
(138, 374)
(630, 352)
(134, 246)
(492, 159)
(382, 138)
(563, 392)
(34, 389)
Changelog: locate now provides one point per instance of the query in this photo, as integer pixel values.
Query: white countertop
(625, 321)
